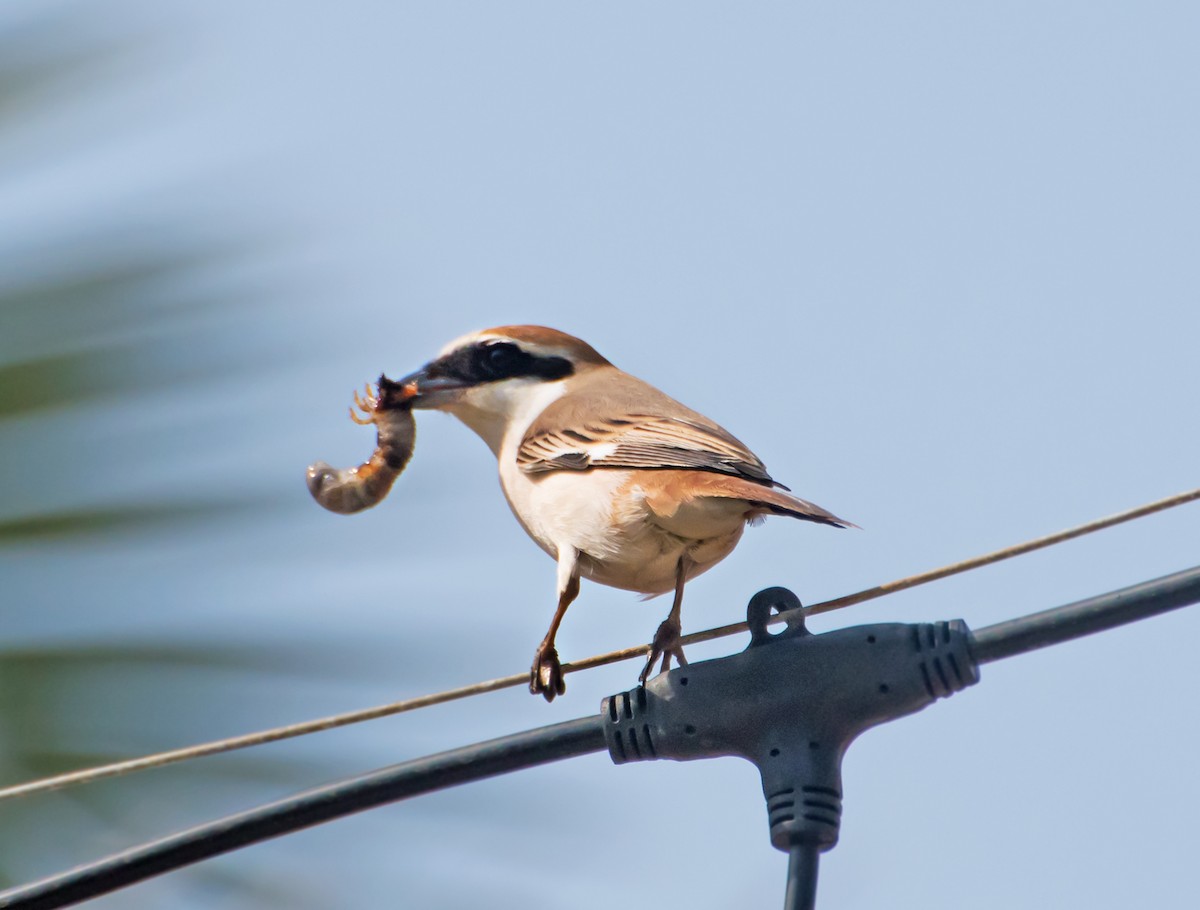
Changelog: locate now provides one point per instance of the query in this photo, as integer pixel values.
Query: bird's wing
(621, 422)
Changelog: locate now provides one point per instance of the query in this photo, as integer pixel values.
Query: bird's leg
(546, 676)
(666, 639)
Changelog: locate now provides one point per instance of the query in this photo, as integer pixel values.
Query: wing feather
(625, 423)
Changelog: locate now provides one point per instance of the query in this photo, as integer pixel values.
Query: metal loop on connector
(783, 602)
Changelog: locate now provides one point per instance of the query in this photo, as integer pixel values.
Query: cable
(801, 892)
(552, 743)
(303, 728)
(159, 759)
(423, 775)
(1095, 614)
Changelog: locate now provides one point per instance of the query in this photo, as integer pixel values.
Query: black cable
(1095, 614)
(540, 746)
(422, 775)
(801, 893)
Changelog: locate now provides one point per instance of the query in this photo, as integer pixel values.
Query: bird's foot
(666, 644)
(546, 675)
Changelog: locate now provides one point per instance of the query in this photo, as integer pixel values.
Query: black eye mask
(493, 361)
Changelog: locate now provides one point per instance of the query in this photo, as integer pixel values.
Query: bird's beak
(421, 390)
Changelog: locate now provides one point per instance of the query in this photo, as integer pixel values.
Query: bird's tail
(775, 502)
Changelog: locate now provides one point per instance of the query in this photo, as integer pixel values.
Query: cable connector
(792, 703)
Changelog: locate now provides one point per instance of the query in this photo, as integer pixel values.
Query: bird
(615, 480)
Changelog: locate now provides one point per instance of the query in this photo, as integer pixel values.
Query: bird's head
(500, 379)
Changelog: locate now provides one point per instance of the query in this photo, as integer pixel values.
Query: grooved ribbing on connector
(629, 736)
(958, 676)
(649, 742)
(783, 799)
(781, 807)
(826, 791)
(820, 805)
(618, 748)
(941, 673)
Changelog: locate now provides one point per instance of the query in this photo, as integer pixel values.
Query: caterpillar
(349, 490)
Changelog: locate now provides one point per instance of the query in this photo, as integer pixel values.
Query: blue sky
(936, 264)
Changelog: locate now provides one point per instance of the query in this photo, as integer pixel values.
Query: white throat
(501, 412)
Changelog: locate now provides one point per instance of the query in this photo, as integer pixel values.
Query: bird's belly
(621, 542)
(564, 509)
(647, 559)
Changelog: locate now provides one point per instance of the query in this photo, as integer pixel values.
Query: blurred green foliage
(98, 315)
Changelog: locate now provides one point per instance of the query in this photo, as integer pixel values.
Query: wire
(1085, 617)
(514, 752)
(801, 893)
(303, 728)
(542, 745)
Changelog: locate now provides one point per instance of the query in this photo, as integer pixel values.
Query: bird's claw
(666, 644)
(546, 675)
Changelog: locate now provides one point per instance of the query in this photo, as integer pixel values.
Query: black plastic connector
(792, 703)
(822, 689)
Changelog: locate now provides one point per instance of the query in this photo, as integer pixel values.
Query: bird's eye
(500, 359)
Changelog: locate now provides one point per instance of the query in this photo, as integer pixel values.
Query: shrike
(618, 482)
